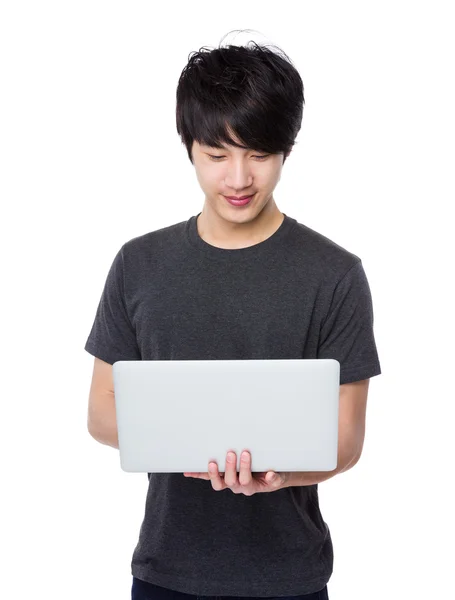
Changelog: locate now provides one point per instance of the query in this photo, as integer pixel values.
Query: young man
(240, 280)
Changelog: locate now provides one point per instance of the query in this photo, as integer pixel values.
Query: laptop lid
(175, 416)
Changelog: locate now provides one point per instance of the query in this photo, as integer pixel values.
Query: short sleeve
(347, 332)
(112, 336)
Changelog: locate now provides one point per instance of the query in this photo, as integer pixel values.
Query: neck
(218, 232)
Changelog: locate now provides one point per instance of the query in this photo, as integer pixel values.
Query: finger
(217, 482)
(274, 479)
(230, 473)
(197, 475)
(245, 476)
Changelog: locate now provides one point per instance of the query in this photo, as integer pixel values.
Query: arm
(101, 417)
(351, 434)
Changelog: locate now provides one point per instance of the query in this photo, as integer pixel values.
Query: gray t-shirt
(169, 295)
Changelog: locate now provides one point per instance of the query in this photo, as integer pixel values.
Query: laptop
(175, 416)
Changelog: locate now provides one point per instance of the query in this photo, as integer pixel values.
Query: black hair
(251, 92)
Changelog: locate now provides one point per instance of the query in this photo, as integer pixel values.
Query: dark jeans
(142, 590)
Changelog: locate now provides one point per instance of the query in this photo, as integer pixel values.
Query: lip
(242, 201)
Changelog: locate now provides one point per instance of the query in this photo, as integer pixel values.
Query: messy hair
(253, 93)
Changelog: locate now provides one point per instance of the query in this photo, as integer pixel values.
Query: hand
(266, 481)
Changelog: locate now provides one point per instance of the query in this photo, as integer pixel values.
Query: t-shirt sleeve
(347, 332)
(112, 336)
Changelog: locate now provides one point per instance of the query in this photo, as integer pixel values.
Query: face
(237, 172)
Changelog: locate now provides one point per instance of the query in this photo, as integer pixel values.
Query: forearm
(106, 432)
(347, 458)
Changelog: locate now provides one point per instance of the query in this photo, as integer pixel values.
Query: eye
(216, 158)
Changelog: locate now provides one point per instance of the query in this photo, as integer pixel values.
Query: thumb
(272, 477)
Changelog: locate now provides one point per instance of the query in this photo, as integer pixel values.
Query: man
(240, 280)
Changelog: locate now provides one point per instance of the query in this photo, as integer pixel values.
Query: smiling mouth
(244, 202)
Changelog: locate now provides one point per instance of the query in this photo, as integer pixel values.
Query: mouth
(239, 201)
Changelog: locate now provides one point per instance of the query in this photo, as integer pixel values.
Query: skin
(238, 172)
(245, 482)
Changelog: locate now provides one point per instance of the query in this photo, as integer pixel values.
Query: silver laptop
(175, 416)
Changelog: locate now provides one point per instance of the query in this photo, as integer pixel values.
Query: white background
(90, 158)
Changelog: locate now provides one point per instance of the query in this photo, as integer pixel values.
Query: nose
(238, 176)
